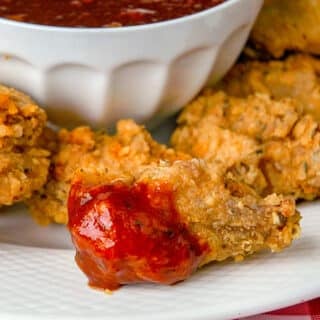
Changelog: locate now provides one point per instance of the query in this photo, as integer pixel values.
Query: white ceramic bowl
(145, 72)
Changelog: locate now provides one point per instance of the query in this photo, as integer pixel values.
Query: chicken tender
(297, 77)
(132, 146)
(24, 164)
(284, 144)
(288, 25)
(161, 222)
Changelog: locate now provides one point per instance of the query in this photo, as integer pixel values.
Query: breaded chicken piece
(21, 120)
(292, 165)
(22, 173)
(240, 125)
(284, 144)
(24, 164)
(288, 25)
(131, 146)
(297, 77)
(160, 222)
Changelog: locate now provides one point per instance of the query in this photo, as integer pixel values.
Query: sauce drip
(100, 13)
(126, 234)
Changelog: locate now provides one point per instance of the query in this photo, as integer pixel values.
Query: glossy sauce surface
(126, 234)
(100, 13)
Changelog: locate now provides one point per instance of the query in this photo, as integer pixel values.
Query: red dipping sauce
(100, 13)
(127, 234)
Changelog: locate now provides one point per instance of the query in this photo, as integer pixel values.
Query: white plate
(39, 279)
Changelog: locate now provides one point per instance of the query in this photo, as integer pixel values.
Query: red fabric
(298, 309)
(311, 308)
(315, 307)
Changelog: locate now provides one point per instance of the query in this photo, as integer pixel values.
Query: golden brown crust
(292, 165)
(225, 213)
(284, 144)
(234, 221)
(295, 77)
(258, 116)
(24, 163)
(21, 120)
(288, 25)
(131, 147)
(22, 173)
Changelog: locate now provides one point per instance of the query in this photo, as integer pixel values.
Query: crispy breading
(48, 140)
(24, 163)
(288, 25)
(218, 212)
(132, 146)
(285, 143)
(21, 120)
(258, 116)
(22, 173)
(298, 77)
(292, 165)
(233, 222)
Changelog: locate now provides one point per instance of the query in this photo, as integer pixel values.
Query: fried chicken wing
(132, 146)
(284, 143)
(139, 211)
(24, 164)
(160, 222)
(288, 25)
(297, 77)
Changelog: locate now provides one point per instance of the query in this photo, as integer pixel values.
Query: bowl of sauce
(96, 61)
(101, 13)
